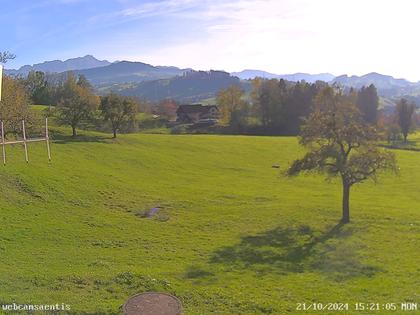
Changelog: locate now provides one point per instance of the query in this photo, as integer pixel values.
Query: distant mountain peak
(57, 66)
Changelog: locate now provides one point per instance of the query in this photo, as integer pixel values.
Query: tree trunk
(74, 131)
(346, 203)
(115, 133)
(405, 137)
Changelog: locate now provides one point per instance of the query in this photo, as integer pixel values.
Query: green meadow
(232, 235)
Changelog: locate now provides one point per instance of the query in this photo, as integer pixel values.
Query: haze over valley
(194, 85)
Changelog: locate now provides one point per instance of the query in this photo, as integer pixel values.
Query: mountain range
(102, 72)
(157, 82)
(57, 66)
(381, 81)
(389, 88)
(311, 78)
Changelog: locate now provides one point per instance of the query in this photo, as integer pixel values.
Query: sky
(351, 37)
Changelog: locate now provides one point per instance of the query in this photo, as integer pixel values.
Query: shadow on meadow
(410, 145)
(60, 138)
(296, 250)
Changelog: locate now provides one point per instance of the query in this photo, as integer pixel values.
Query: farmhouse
(197, 113)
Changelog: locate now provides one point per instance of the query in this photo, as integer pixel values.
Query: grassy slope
(233, 235)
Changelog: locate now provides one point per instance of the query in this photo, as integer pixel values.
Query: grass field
(232, 236)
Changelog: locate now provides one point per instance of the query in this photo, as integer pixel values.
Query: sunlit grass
(232, 235)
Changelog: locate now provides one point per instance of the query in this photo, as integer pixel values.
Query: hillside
(192, 86)
(128, 72)
(232, 235)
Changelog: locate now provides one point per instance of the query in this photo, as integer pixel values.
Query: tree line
(72, 101)
(272, 107)
(278, 107)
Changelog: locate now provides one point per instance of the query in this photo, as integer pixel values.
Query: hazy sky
(280, 36)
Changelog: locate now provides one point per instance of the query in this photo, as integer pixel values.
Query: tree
(118, 110)
(167, 109)
(368, 103)
(84, 82)
(297, 105)
(230, 100)
(340, 144)
(281, 106)
(14, 105)
(405, 112)
(268, 101)
(38, 88)
(15, 101)
(5, 56)
(76, 103)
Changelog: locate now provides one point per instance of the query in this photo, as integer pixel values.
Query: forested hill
(128, 72)
(192, 86)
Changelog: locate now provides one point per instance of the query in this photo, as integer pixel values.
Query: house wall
(211, 113)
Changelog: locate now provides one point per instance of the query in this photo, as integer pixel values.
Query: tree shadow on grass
(199, 274)
(60, 138)
(410, 145)
(296, 250)
(194, 272)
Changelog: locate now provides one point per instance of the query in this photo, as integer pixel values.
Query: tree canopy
(281, 106)
(6, 56)
(368, 103)
(118, 110)
(14, 105)
(39, 90)
(76, 102)
(405, 112)
(230, 100)
(341, 144)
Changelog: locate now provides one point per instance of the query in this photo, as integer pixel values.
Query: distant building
(197, 113)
